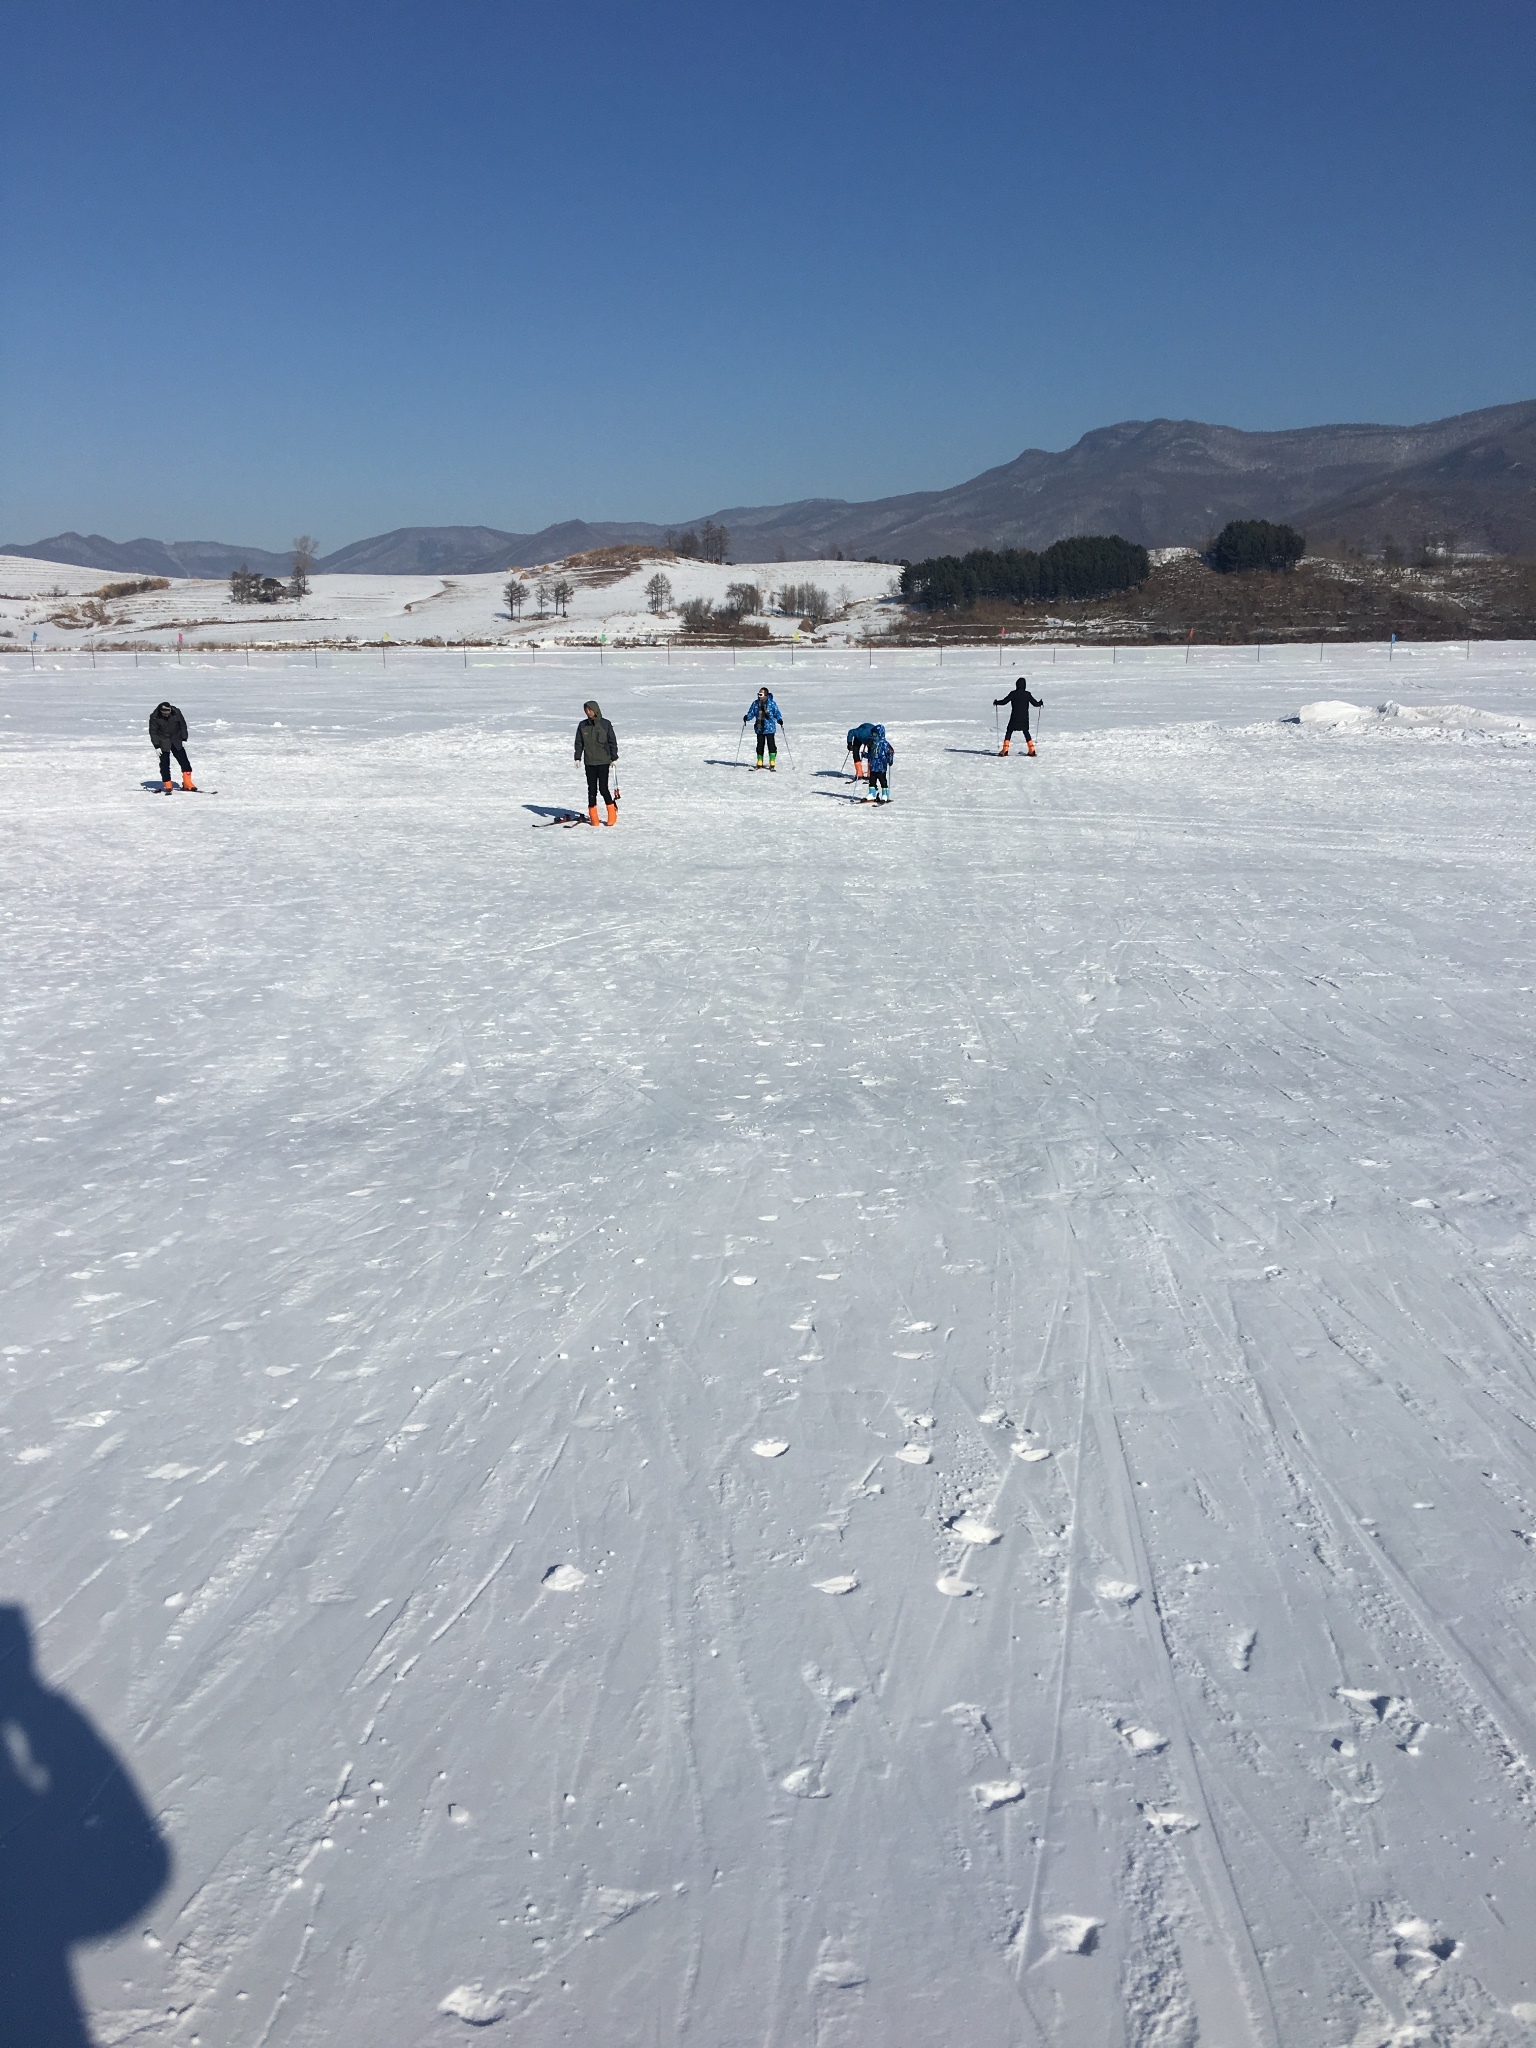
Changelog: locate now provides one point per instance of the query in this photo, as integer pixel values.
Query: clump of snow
(474, 2005)
(1332, 711)
(1073, 1934)
(995, 1792)
(564, 1578)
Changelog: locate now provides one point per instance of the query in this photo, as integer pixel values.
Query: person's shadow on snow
(80, 1854)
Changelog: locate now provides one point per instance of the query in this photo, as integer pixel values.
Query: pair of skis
(569, 818)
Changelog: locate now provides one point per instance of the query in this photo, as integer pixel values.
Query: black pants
(767, 739)
(180, 752)
(1018, 725)
(597, 779)
(878, 780)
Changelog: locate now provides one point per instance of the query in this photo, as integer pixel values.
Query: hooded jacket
(167, 727)
(766, 716)
(1020, 700)
(881, 752)
(596, 741)
(860, 735)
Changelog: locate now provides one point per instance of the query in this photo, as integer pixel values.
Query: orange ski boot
(186, 779)
(1005, 746)
(592, 815)
(613, 814)
(169, 787)
(1030, 745)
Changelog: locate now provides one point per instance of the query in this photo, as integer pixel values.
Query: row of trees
(546, 593)
(1089, 565)
(711, 543)
(246, 586)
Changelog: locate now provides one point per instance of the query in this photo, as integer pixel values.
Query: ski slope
(787, 1424)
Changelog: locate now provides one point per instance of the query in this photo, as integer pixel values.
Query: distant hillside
(1165, 483)
(151, 557)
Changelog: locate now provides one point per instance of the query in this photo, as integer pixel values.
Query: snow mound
(1432, 717)
(1332, 711)
(477, 2008)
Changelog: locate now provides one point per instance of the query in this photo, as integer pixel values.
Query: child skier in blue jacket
(881, 755)
(765, 714)
(859, 737)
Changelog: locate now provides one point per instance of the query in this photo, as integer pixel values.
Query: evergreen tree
(1246, 544)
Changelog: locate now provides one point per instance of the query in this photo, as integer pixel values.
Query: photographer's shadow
(80, 1854)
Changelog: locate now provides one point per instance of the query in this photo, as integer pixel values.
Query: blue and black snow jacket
(767, 717)
(860, 735)
(881, 752)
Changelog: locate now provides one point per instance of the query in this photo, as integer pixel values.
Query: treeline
(711, 543)
(1088, 565)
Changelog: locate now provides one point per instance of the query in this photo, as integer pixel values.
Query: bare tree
(686, 544)
(562, 590)
(809, 600)
(714, 541)
(743, 598)
(516, 595)
(305, 549)
(658, 593)
(541, 592)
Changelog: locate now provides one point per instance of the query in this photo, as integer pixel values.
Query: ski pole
(739, 738)
(789, 749)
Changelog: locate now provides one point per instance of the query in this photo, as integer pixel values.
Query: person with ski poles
(1019, 700)
(168, 732)
(764, 715)
(859, 737)
(597, 746)
(880, 754)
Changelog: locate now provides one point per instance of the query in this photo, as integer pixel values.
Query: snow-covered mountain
(1166, 483)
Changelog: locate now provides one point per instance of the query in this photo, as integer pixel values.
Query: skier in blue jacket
(859, 737)
(765, 715)
(881, 755)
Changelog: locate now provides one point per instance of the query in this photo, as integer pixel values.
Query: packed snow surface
(1080, 1591)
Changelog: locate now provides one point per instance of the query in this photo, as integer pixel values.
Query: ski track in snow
(415, 1224)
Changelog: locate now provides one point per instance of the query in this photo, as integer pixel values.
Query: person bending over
(859, 737)
(168, 732)
(597, 746)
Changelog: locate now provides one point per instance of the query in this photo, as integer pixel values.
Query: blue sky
(340, 268)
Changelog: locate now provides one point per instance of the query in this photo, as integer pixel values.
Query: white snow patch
(995, 1792)
(564, 1578)
(474, 2005)
(1073, 1934)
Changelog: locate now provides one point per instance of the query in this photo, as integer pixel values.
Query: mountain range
(1165, 483)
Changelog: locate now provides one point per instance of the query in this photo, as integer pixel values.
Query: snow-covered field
(787, 1424)
(44, 598)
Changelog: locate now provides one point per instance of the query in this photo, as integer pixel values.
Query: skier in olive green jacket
(597, 746)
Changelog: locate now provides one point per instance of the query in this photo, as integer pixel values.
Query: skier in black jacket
(168, 732)
(597, 746)
(1019, 700)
